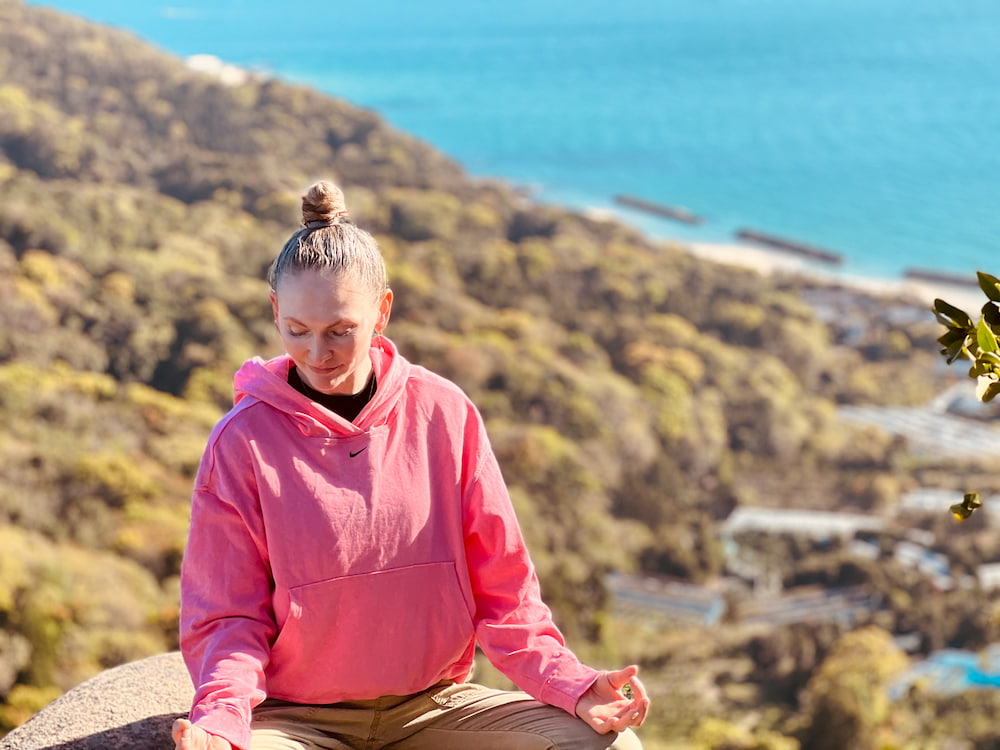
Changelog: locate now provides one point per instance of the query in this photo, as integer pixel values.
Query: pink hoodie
(330, 561)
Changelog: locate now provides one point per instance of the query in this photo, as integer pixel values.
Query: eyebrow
(334, 324)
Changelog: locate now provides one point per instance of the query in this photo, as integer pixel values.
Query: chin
(328, 387)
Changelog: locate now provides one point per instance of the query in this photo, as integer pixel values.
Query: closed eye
(341, 330)
(334, 334)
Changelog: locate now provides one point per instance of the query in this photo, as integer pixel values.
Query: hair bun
(323, 202)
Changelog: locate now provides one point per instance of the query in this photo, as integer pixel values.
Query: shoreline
(804, 262)
(767, 262)
(918, 290)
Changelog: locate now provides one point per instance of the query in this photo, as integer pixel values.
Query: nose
(318, 349)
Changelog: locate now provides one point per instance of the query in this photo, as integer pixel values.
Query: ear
(384, 309)
(274, 306)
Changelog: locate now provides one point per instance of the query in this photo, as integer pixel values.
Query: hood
(266, 381)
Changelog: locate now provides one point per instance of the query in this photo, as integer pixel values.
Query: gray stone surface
(131, 706)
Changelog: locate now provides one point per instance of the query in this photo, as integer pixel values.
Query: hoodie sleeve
(514, 627)
(227, 621)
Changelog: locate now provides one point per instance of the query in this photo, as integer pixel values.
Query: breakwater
(928, 274)
(791, 246)
(675, 213)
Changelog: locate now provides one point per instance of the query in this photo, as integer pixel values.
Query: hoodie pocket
(392, 632)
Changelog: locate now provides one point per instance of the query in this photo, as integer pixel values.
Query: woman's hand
(189, 737)
(606, 708)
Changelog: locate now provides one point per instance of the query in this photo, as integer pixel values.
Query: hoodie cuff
(566, 684)
(224, 721)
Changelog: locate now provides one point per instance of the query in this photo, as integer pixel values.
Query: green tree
(846, 700)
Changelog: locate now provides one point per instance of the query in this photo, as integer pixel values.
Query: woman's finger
(180, 727)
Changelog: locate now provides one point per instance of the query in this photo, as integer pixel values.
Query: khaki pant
(447, 717)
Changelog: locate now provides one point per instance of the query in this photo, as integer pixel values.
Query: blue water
(952, 671)
(868, 127)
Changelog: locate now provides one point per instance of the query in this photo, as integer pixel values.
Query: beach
(768, 262)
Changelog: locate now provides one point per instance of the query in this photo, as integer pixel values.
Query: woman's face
(326, 325)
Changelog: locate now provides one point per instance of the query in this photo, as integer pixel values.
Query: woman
(352, 540)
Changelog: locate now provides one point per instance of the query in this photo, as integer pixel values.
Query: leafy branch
(977, 342)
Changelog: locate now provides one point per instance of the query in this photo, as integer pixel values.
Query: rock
(131, 706)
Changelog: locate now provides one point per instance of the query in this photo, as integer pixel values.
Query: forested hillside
(634, 395)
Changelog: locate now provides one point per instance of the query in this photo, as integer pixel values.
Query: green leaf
(956, 351)
(990, 358)
(951, 316)
(985, 338)
(979, 369)
(952, 336)
(987, 387)
(990, 285)
(991, 314)
(969, 504)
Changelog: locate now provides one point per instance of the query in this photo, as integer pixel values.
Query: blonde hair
(329, 244)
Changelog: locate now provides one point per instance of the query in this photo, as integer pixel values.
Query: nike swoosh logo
(357, 453)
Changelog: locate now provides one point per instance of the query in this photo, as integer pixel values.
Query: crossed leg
(453, 717)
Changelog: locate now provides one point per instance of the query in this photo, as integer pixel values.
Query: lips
(324, 372)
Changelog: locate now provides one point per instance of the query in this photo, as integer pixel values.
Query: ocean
(870, 128)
